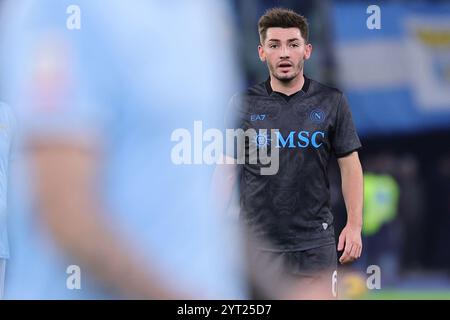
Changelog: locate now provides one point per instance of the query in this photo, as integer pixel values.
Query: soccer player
(99, 210)
(7, 128)
(290, 210)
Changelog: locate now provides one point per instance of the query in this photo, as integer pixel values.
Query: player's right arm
(226, 172)
(224, 182)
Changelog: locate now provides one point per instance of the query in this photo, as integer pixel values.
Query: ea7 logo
(257, 117)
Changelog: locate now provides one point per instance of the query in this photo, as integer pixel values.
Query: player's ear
(308, 51)
(262, 54)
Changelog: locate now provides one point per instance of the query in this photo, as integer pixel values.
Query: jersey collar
(303, 90)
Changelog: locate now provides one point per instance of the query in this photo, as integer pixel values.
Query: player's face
(285, 51)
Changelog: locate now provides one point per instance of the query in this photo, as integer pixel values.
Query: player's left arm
(352, 190)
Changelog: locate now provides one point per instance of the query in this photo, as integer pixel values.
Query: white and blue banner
(397, 78)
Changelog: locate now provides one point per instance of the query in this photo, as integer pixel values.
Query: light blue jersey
(134, 72)
(7, 128)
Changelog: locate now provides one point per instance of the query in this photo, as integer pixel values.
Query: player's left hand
(350, 239)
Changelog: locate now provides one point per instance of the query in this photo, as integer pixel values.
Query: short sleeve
(233, 122)
(345, 139)
(231, 118)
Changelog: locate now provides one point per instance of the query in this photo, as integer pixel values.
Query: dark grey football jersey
(291, 209)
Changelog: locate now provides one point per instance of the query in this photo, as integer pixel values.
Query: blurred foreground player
(290, 210)
(96, 195)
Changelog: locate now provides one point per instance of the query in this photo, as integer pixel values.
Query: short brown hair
(282, 18)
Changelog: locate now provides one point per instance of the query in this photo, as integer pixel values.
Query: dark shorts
(311, 273)
(309, 262)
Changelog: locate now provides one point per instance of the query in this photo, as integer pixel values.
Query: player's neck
(288, 88)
